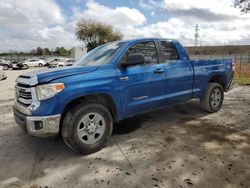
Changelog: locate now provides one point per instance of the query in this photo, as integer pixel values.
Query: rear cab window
(169, 52)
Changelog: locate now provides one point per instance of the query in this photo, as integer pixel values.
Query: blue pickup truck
(113, 82)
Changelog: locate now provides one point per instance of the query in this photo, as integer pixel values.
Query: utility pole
(196, 35)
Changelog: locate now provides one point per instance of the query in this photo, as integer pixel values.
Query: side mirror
(135, 59)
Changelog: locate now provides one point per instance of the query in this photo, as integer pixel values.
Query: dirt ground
(180, 146)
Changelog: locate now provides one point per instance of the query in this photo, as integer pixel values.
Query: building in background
(78, 52)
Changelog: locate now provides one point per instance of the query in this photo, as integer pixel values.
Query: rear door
(142, 87)
(178, 72)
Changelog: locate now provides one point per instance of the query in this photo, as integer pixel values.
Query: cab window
(146, 49)
(169, 51)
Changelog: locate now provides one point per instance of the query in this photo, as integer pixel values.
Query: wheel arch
(218, 78)
(9, 65)
(6, 64)
(101, 98)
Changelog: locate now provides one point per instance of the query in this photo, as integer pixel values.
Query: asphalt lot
(180, 146)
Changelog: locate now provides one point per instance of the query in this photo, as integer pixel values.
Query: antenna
(196, 35)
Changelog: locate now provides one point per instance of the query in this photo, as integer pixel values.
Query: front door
(142, 87)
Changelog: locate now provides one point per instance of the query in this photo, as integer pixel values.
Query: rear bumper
(230, 85)
(39, 126)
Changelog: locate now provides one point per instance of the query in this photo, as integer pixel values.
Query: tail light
(233, 67)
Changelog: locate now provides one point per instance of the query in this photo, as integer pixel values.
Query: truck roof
(148, 38)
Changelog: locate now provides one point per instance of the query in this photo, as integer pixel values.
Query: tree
(46, 51)
(95, 33)
(243, 5)
(61, 51)
(39, 51)
(56, 52)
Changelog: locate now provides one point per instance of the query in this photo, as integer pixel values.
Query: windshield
(100, 55)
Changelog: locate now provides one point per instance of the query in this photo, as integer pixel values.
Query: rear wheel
(87, 127)
(40, 65)
(213, 99)
(5, 67)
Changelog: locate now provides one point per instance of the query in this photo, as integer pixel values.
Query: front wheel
(86, 127)
(25, 66)
(213, 99)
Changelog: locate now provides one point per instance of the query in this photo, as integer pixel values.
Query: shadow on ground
(180, 146)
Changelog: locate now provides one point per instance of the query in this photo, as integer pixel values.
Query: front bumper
(18, 66)
(4, 76)
(39, 126)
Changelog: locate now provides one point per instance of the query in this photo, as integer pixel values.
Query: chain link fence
(242, 65)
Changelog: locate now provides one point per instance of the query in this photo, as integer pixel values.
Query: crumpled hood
(48, 75)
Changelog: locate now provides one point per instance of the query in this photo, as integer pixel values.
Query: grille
(24, 95)
(22, 85)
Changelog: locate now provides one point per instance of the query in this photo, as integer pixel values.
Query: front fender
(77, 86)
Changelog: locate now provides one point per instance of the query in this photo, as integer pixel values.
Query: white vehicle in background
(34, 63)
(56, 62)
(5, 64)
(62, 62)
(69, 62)
(2, 74)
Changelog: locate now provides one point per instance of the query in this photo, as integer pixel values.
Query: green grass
(242, 81)
(242, 74)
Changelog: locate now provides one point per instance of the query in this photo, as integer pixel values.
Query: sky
(27, 24)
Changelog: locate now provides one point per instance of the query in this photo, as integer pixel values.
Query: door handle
(125, 78)
(159, 71)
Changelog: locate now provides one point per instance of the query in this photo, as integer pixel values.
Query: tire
(80, 132)
(5, 67)
(40, 65)
(213, 99)
(25, 66)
